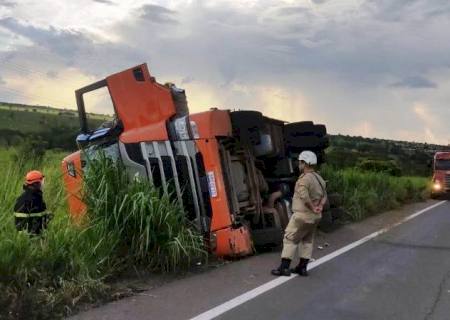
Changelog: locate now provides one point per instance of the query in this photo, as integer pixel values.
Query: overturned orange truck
(233, 171)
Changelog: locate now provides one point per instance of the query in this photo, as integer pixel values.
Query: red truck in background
(441, 174)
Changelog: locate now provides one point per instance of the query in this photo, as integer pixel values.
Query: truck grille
(447, 181)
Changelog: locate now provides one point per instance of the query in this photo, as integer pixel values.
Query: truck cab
(441, 173)
(232, 171)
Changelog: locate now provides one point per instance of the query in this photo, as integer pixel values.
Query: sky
(373, 68)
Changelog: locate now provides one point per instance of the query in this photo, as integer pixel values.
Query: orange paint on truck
(73, 181)
(142, 106)
(213, 123)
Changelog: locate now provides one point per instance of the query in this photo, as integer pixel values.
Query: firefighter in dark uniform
(30, 209)
(307, 205)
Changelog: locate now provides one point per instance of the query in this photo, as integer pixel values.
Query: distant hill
(412, 158)
(48, 110)
(58, 128)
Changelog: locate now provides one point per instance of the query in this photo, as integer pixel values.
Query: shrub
(388, 167)
(365, 193)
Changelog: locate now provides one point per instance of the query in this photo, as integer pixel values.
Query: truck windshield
(99, 109)
(442, 164)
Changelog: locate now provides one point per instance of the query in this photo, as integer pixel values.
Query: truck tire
(336, 213)
(320, 130)
(282, 213)
(303, 128)
(267, 238)
(326, 223)
(303, 142)
(324, 142)
(320, 156)
(326, 207)
(335, 200)
(247, 126)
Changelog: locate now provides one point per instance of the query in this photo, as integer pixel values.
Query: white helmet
(308, 157)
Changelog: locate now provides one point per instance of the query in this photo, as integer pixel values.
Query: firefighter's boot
(283, 269)
(302, 268)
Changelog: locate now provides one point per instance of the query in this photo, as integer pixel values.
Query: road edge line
(249, 295)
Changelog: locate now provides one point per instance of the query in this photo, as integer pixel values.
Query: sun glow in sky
(363, 67)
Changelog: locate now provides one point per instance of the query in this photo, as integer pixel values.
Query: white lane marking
(243, 298)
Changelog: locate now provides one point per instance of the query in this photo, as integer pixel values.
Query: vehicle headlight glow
(437, 186)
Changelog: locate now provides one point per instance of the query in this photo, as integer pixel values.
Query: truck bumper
(233, 242)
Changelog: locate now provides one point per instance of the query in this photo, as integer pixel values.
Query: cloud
(69, 48)
(2, 82)
(407, 10)
(108, 2)
(7, 4)
(364, 128)
(61, 42)
(52, 74)
(289, 11)
(157, 14)
(415, 82)
(187, 80)
(344, 63)
(431, 126)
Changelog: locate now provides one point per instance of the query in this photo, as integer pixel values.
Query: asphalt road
(402, 274)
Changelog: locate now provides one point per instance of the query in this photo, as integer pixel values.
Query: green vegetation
(366, 193)
(148, 226)
(52, 128)
(49, 110)
(130, 224)
(405, 158)
(45, 277)
(388, 167)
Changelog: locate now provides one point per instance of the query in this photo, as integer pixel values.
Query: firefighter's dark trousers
(33, 223)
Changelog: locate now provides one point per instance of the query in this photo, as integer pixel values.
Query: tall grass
(146, 225)
(128, 225)
(41, 277)
(365, 193)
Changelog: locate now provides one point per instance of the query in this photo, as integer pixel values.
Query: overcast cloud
(371, 68)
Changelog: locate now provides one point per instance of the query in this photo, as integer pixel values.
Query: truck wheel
(283, 214)
(336, 213)
(320, 130)
(305, 128)
(324, 142)
(320, 156)
(247, 125)
(335, 200)
(326, 207)
(303, 142)
(326, 223)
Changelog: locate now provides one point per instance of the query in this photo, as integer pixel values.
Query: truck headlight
(437, 186)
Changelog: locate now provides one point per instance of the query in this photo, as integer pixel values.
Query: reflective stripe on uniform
(29, 215)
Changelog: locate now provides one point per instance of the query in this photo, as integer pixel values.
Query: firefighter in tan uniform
(307, 206)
